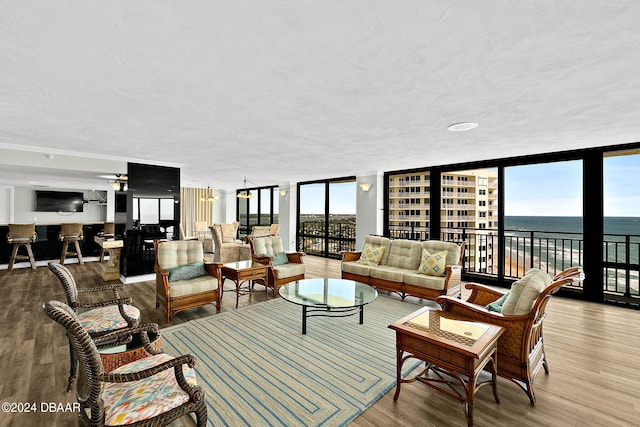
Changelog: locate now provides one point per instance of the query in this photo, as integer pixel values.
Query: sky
(546, 189)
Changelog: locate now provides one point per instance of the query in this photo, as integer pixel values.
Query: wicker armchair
(183, 279)
(101, 318)
(264, 251)
(151, 391)
(521, 352)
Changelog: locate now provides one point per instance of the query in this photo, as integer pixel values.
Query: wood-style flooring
(593, 352)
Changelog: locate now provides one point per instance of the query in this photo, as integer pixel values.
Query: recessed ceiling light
(462, 126)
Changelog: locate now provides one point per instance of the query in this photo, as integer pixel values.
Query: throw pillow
(433, 265)
(187, 271)
(280, 259)
(497, 304)
(371, 255)
(524, 292)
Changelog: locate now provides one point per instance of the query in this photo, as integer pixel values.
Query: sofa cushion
(179, 252)
(374, 240)
(354, 267)
(193, 286)
(405, 254)
(280, 258)
(371, 255)
(424, 281)
(288, 270)
(387, 272)
(433, 264)
(524, 292)
(497, 304)
(187, 271)
(269, 245)
(453, 249)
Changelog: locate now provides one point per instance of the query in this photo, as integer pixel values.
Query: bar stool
(71, 233)
(108, 232)
(22, 235)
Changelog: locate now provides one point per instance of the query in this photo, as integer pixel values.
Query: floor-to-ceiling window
(621, 172)
(327, 217)
(543, 217)
(409, 205)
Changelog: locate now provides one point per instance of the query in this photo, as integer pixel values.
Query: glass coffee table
(328, 298)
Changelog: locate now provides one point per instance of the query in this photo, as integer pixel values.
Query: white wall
(6, 205)
(369, 204)
(287, 215)
(25, 202)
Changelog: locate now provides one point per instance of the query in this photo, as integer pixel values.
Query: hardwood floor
(593, 351)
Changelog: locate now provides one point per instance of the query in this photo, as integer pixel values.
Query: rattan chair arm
(119, 301)
(263, 259)
(186, 359)
(295, 257)
(213, 269)
(350, 255)
(481, 294)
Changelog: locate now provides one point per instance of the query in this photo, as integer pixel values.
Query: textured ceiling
(294, 90)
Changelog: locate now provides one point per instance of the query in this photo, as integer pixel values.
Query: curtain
(194, 206)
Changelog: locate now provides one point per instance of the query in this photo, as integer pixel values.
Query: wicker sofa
(397, 270)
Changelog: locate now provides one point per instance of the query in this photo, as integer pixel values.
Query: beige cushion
(193, 286)
(354, 267)
(371, 255)
(288, 270)
(267, 245)
(386, 272)
(433, 264)
(405, 254)
(524, 292)
(179, 252)
(424, 281)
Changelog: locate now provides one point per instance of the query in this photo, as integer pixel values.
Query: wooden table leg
(399, 363)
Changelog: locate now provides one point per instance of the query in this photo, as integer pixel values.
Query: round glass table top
(333, 293)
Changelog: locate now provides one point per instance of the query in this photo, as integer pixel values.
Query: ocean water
(571, 224)
(558, 243)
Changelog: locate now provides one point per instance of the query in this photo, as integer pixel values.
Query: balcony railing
(314, 239)
(548, 251)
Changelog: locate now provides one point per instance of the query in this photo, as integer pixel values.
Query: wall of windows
(549, 211)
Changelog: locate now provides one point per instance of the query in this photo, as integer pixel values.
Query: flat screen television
(59, 201)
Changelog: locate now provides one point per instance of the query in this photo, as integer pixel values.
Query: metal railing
(549, 251)
(315, 240)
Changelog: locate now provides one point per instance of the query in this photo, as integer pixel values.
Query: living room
(277, 99)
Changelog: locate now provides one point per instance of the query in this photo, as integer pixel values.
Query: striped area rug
(257, 368)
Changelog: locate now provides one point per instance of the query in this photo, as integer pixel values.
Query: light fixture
(244, 193)
(462, 126)
(365, 186)
(210, 198)
(120, 183)
(283, 192)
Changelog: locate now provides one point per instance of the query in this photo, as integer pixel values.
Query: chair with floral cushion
(284, 267)
(520, 312)
(183, 279)
(101, 317)
(152, 391)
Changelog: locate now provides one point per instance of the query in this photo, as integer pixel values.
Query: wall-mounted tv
(59, 201)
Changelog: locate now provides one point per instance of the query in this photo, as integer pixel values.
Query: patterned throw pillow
(433, 265)
(187, 271)
(280, 258)
(371, 255)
